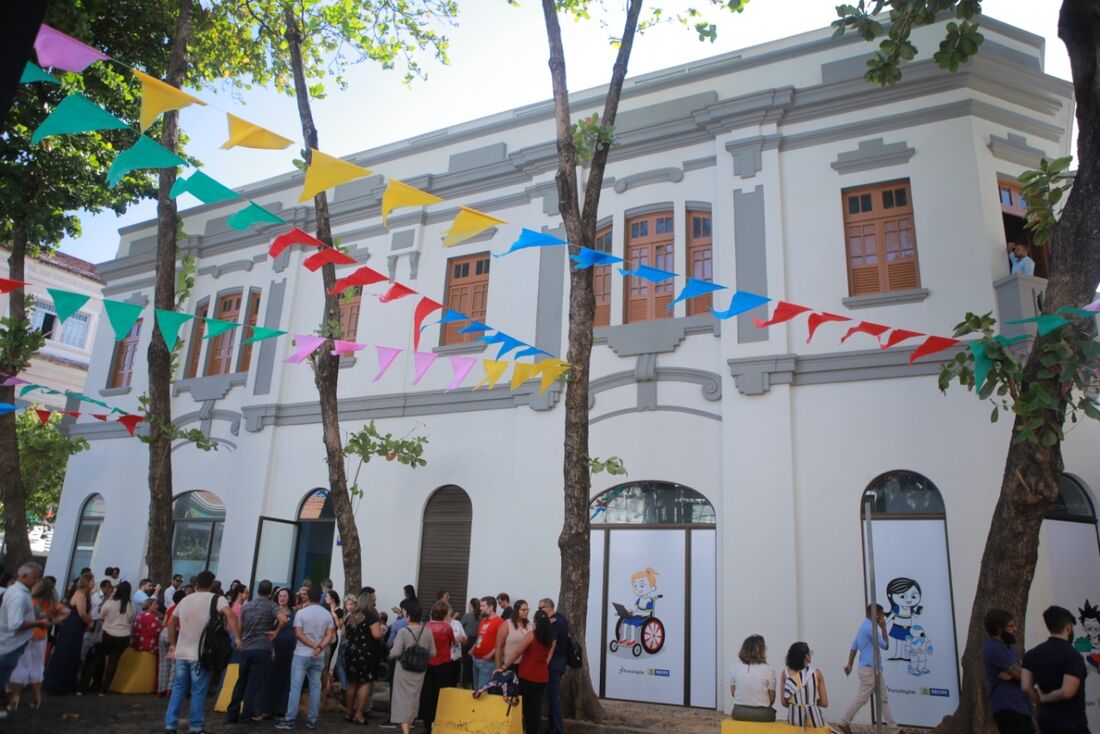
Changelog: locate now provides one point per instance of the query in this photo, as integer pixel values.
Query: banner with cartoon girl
(913, 585)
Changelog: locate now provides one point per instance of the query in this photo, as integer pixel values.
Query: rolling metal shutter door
(445, 547)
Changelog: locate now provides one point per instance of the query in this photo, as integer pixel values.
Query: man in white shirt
(17, 622)
(314, 628)
(1019, 260)
(184, 632)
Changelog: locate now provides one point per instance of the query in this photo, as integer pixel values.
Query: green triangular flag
(145, 153)
(982, 363)
(259, 333)
(66, 303)
(1082, 312)
(123, 316)
(1009, 341)
(32, 72)
(204, 188)
(169, 323)
(77, 114)
(252, 214)
(215, 327)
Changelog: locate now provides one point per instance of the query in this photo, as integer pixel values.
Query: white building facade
(776, 170)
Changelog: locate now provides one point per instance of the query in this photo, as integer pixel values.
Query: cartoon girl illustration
(904, 596)
(1089, 645)
(644, 584)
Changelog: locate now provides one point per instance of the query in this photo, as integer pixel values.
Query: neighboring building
(776, 170)
(62, 364)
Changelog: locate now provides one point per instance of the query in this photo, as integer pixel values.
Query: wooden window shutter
(700, 258)
(650, 241)
(194, 349)
(467, 292)
(219, 355)
(601, 281)
(349, 312)
(251, 318)
(880, 240)
(122, 371)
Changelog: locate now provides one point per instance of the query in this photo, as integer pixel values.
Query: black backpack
(215, 647)
(414, 658)
(573, 654)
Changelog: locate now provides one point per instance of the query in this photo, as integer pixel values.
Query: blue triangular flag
(531, 352)
(693, 288)
(6, 408)
(506, 341)
(448, 318)
(586, 258)
(474, 328)
(531, 238)
(653, 275)
(742, 301)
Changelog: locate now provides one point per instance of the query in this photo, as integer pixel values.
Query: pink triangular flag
(462, 367)
(342, 348)
(13, 381)
(1094, 306)
(386, 356)
(306, 345)
(422, 361)
(56, 49)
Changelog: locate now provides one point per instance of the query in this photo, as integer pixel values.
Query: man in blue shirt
(558, 663)
(1019, 260)
(18, 622)
(866, 637)
(1007, 701)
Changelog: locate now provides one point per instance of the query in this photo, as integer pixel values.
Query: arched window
(902, 493)
(1073, 502)
(911, 576)
(651, 503)
(87, 534)
(445, 545)
(199, 518)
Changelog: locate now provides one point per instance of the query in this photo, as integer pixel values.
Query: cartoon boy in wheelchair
(640, 630)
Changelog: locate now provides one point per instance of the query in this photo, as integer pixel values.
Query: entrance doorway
(652, 605)
(445, 545)
(290, 551)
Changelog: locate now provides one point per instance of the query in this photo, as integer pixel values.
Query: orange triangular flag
(398, 194)
(158, 97)
(326, 171)
(249, 135)
(468, 223)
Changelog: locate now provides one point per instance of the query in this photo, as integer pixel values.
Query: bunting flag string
(654, 275)
(122, 316)
(217, 327)
(288, 239)
(326, 172)
(327, 255)
(158, 97)
(865, 327)
(469, 223)
(461, 366)
(551, 370)
(60, 51)
(203, 188)
(386, 356)
(530, 238)
(342, 348)
(260, 333)
(362, 276)
(784, 311)
(586, 258)
(494, 369)
(247, 135)
(250, 215)
(522, 372)
(931, 345)
(425, 307)
(67, 303)
(819, 318)
(694, 288)
(422, 361)
(396, 291)
(169, 323)
(145, 153)
(306, 344)
(32, 73)
(7, 285)
(741, 302)
(899, 335)
(76, 114)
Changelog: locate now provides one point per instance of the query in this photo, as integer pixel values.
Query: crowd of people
(1050, 678)
(283, 641)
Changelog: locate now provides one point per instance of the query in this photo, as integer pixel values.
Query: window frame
(602, 277)
(251, 306)
(223, 343)
(477, 273)
(879, 217)
(660, 232)
(350, 307)
(125, 354)
(194, 349)
(701, 244)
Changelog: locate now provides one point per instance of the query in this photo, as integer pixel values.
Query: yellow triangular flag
(468, 223)
(326, 171)
(493, 371)
(400, 194)
(551, 370)
(158, 97)
(522, 372)
(248, 135)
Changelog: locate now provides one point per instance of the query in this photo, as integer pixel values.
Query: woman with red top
(534, 653)
(437, 675)
(145, 634)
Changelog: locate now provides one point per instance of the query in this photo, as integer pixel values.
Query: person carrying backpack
(190, 619)
(413, 647)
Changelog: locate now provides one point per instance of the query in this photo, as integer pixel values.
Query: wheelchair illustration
(650, 636)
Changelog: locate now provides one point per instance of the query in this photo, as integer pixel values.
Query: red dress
(146, 632)
(533, 666)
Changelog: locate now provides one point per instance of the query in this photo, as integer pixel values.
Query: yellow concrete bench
(136, 672)
(226, 694)
(729, 726)
(460, 713)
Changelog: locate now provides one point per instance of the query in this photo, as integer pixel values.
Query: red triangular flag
(362, 276)
(293, 237)
(7, 285)
(100, 416)
(817, 319)
(897, 336)
(396, 291)
(43, 415)
(865, 327)
(327, 255)
(425, 307)
(73, 413)
(130, 421)
(784, 311)
(931, 345)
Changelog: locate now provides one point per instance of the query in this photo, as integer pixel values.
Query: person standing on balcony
(1019, 260)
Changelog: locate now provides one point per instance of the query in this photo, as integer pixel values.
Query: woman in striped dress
(803, 688)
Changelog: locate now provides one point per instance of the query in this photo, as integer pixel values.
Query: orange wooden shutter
(650, 241)
(880, 240)
(700, 258)
(251, 318)
(195, 347)
(220, 353)
(467, 293)
(601, 281)
(349, 313)
(125, 354)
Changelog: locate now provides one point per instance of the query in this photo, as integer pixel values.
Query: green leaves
(1042, 192)
(961, 43)
(368, 442)
(43, 457)
(589, 135)
(613, 466)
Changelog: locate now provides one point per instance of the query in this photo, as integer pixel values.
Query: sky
(498, 61)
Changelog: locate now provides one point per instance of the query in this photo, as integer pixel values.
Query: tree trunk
(17, 546)
(1030, 483)
(579, 699)
(326, 367)
(158, 551)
